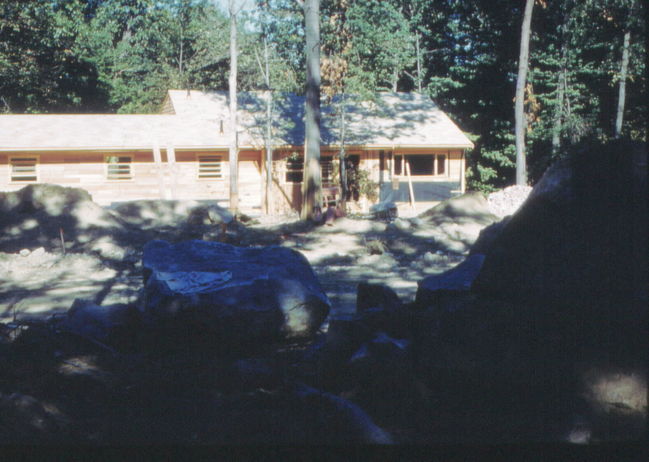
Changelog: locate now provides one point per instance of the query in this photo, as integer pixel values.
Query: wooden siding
(287, 196)
(179, 179)
(87, 170)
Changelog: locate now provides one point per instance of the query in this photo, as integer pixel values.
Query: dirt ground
(37, 283)
(171, 386)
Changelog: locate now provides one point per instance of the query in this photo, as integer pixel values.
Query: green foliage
(122, 55)
(366, 187)
(39, 67)
(143, 48)
(359, 182)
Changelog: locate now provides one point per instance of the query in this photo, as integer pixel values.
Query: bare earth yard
(39, 283)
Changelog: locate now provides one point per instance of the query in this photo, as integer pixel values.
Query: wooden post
(233, 151)
(171, 160)
(462, 179)
(412, 193)
(157, 158)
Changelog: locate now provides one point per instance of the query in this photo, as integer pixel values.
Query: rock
(433, 258)
(375, 247)
(107, 249)
(210, 215)
(326, 359)
(38, 252)
(376, 296)
(581, 235)
(346, 333)
(416, 221)
(381, 347)
(111, 324)
(295, 413)
(396, 323)
(384, 210)
(25, 252)
(458, 279)
(348, 422)
(402, 225)
(379, 358)
(25, 419)
(237, 294)
(487, 236)
(575, 254)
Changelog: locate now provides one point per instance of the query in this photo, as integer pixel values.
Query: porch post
(157, 158)
(171, 160)
(462, 179)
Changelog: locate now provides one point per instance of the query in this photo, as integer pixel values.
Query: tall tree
(521, 81)
(264, 68)
(335, 64)
(624, 65)
(234, 8)
(312, 181)
(625, 24)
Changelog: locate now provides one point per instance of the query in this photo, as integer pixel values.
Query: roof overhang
(112, 148)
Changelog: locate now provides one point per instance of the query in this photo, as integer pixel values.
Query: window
(420, 165)
(441, 164)
(327, 170)
(23, 169)
(119, 168)
(294, 169)
(209, 167)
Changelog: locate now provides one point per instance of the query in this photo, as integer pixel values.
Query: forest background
(107, 56)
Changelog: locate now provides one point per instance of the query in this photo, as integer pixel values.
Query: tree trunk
(418, 52)
(232, 84)
(312, 181)
(269, 150)
(341, 155)
(519, 108)
(558, 114)
(621, 95)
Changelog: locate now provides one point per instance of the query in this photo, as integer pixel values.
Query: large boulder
(376, 296)
(561, 292)
(239, 294)
(575, 254)
(580, 237)
(452, 282)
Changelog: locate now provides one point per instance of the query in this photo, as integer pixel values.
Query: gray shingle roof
(96, 131)
(393, 119)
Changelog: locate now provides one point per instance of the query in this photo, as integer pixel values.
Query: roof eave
(113, 148)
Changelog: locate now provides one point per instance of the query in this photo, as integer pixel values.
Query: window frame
(36, 175)
(329, 161)
(402, 156)
(288, 170)
(221, 170)
(107, 165)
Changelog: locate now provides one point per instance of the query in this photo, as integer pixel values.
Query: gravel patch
(507, 201)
